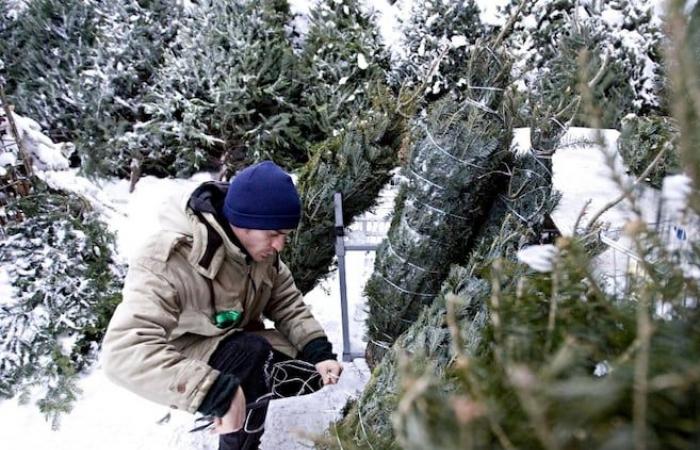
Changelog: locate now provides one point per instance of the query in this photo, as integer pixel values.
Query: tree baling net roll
(450, 173)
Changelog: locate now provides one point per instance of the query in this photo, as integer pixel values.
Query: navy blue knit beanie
(263, 197)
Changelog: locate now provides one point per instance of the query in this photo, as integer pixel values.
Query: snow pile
(539, 257)
(45, 155)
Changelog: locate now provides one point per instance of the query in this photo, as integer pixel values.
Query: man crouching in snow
(189, 331)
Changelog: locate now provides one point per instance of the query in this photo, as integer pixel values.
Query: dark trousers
(253, 361)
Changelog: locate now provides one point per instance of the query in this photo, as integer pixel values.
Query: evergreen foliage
(66, 285)
(132, 37)
(357, 163)
(344, 57)
(515, 219)
(436, 40)
(225, 92)
(354, 131)
(512, 358)
(622, 41)
(607, 372)
(43, 49)
(452, 174)
(642, 139)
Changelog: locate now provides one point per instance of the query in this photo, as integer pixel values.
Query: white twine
(280, 377)
(425, 179)
(450, 155)
(440, 210)
(405, 261)
(419, 294)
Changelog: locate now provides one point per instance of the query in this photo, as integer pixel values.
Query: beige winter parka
(163, 332)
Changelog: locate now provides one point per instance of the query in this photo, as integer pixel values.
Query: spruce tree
(131, 40)
(224, 94)
(353, 131)
(622, 43)
(515, 219)
(643, 139)
(357, 163)
(60, 280)
(344, 58)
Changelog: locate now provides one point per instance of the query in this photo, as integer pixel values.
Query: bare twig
(509, 24)
(627, 192)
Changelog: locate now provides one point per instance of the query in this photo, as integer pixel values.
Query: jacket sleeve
(136, 353)
(291, 315)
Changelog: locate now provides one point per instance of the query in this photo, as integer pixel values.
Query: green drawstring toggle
(225, 319)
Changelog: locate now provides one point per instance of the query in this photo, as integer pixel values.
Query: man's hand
(330, 371)
(234, 419)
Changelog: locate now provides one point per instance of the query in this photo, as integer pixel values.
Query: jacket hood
(195, 216)
(208, 197)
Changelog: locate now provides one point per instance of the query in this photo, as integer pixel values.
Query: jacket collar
(211, 242)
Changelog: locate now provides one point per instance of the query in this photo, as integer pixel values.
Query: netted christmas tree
(434, 49)
(452, 173)
(532, 349)
(515, 219)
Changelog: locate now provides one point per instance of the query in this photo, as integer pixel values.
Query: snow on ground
(586, 171)
(588, 168)
(109, 417)
(6, 289)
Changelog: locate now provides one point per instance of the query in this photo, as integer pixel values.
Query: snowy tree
(353, 130)
(65, 285)
(623, 63)
(43, 49)
(344, 57)
(131, 38)
(225, 91)
(650, 141)
(515, 219)
(435, 46)
(357, 163)
(57, 257)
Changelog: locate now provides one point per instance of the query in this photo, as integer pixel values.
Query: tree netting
(451, 172)
(515, 219)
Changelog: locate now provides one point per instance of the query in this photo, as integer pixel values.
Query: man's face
(261, 244)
